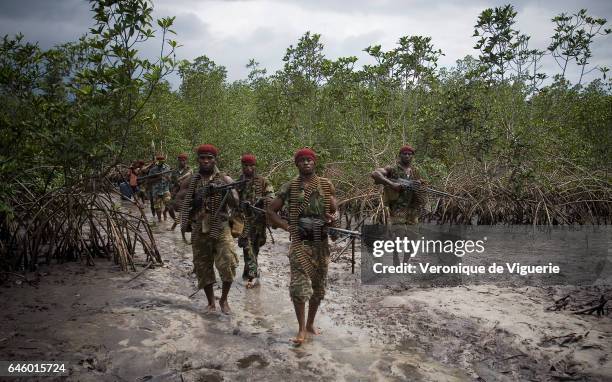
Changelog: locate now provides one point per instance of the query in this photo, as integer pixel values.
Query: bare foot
(212, 308)
(313, 330)
(252, 283)
(225, 307)
(299, 338)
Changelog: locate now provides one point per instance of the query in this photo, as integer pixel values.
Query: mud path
(111, 327)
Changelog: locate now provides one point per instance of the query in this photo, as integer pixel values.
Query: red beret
(206, 148)
(160, 157)
(407, 149)
(305, 152)
(182, 156)
(248, 159)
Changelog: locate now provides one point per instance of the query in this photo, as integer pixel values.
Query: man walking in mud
(204, 213)
(311, 203)
(404, 204)
(160, 185)
(257, 192)
(181, 173)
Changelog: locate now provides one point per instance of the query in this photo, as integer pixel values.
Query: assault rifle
(343, 232)
(141, 178)
(257, 211)
(317, 229)
(416, 186)
(252, 208)
(353, 235)
(225, 188)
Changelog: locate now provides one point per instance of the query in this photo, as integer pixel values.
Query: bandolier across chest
(300, 205)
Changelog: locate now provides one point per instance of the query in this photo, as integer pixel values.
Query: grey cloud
(189, 26)
(600, 8)
(46, 10)
(46, 22)
(57, 21)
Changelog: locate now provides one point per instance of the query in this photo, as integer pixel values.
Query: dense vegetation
(522, 145)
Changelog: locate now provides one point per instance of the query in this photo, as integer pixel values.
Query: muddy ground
(109, 326)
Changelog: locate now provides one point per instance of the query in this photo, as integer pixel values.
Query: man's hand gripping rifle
(198, 199)
(210, 189)
(251, 209)
(417, 186)
(313, 229)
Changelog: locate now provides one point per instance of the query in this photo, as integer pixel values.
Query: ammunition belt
(295, 210)
(212, 204)
(257, 184)
(186, 206)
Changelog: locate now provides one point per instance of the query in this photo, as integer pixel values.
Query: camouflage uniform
(254, 235)
(209, 251)
(404, 206)
(160, 189)
(301, 287)
(177, 177)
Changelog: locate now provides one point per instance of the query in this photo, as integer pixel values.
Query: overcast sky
(232, 32)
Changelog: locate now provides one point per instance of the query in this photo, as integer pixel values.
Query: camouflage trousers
(407, 217)
(250, 253)
(301, 287)
(160, 201)
(397, 228)
(209, 253)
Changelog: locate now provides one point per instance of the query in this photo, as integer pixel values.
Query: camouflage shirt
(404, 202)
(316, 206)
(162, 185)
(248, 192)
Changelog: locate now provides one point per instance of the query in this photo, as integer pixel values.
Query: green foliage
(573, 38)
(75, 110)
(71, 112)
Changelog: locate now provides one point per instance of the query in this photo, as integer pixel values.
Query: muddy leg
(210, 296)
(299, 313)
(223, 300)
(313, 306)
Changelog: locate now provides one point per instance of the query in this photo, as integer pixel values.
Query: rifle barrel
(152, 175)
(256, 209)
(344, 231)
(410, 185)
